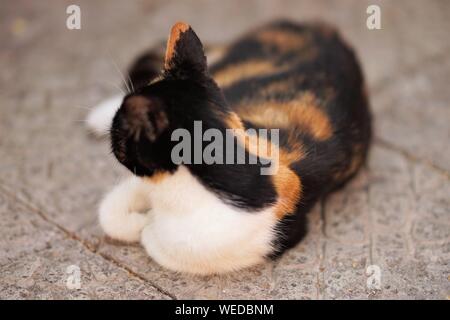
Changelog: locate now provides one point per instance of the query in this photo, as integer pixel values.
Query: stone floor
(394, 216)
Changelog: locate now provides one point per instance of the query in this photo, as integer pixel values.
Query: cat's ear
(185, 56)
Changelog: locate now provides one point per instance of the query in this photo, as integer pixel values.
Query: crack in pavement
(86, 244)
(391, 146)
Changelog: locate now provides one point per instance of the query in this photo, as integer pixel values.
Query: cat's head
(184, 92)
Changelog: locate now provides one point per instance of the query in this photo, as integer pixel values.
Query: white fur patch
(189, 229)
(120, 212)
(99, 119)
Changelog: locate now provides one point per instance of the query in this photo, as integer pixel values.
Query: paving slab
(412, 113)
(409, 250)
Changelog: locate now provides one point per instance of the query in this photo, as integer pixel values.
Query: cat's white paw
(128, 229)
(100, 118)
(119, 212)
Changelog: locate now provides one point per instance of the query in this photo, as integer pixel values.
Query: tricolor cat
(213, 218)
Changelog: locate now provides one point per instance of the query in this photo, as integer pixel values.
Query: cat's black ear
(185, 57)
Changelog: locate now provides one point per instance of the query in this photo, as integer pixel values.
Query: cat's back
(304, 80)
(282, 60)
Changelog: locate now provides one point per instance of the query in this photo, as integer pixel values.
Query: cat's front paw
(123, 213)
(124, 226)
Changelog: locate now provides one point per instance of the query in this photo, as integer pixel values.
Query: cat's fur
(203, 219)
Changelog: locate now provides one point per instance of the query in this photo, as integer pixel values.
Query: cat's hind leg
(120, 211)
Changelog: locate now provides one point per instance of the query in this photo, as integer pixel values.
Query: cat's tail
(99, 119)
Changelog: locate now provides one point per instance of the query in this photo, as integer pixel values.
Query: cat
(301, 79)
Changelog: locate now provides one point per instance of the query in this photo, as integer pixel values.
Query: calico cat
(302, 80)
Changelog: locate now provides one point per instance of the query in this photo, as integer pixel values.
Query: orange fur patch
(215, 53)
(277, 87)
(288, 186)
(233, 121)
(177, 29)
(286, 182)
(304, 111)
(282, 39)
(242, 70)
(158, 176)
